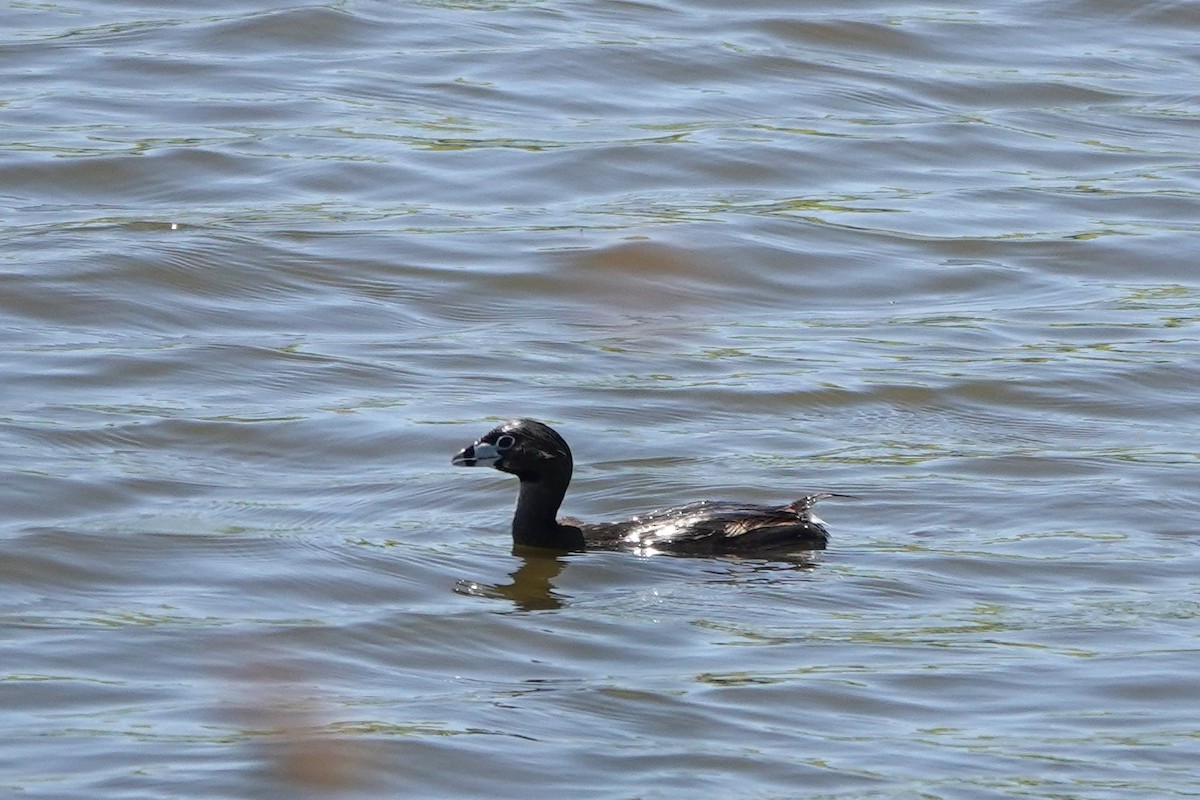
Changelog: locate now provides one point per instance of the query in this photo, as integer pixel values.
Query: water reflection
(532, 588)
(532, 584)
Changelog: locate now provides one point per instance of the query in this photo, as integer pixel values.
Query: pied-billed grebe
(537, 455)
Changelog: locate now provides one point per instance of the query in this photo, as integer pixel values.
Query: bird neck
(535, 522)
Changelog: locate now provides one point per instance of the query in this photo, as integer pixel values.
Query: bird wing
(717, 527)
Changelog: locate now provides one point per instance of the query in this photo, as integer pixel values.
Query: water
(265, 269)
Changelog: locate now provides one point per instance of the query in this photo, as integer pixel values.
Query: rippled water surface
(264, 269)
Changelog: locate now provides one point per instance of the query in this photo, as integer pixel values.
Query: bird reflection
(532, 585)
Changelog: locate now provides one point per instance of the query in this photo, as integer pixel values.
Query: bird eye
(505, 442)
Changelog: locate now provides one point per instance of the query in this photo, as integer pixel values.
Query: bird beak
(480, 454)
